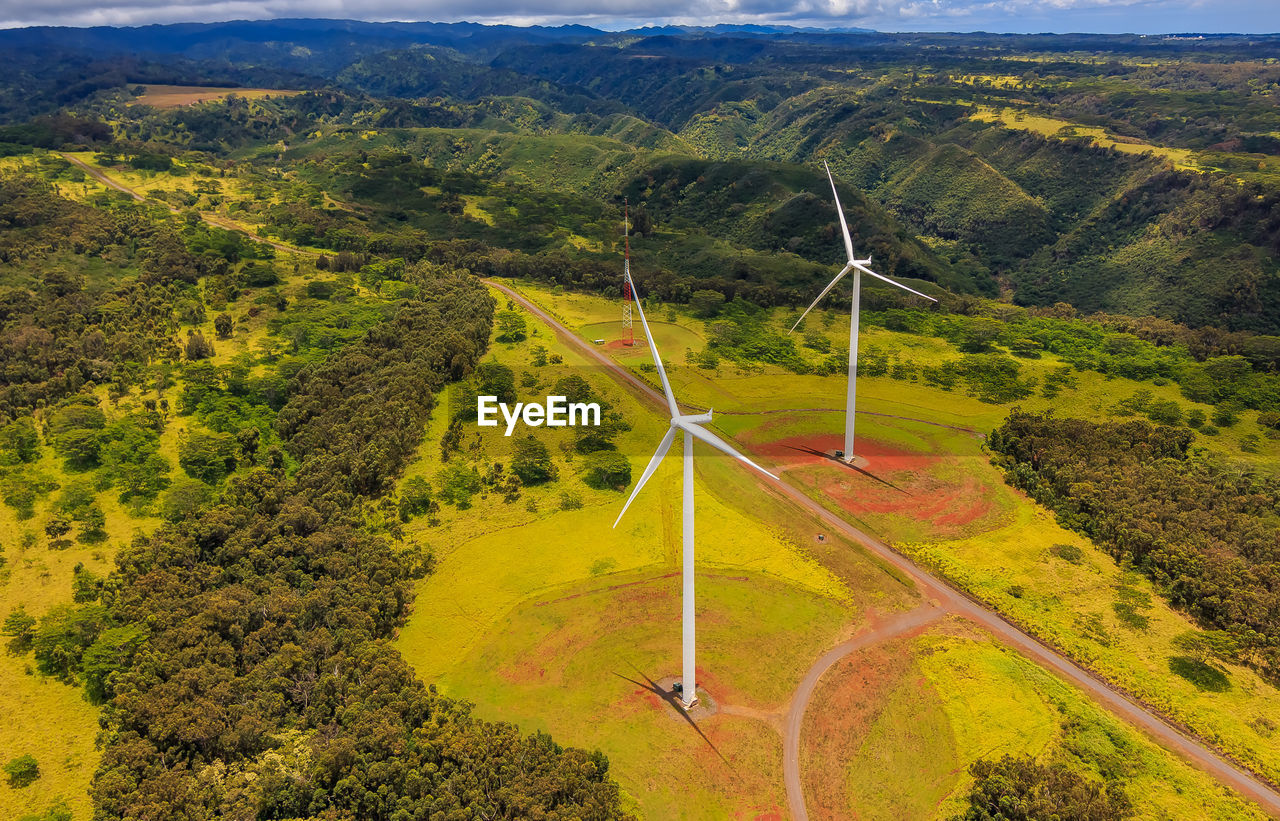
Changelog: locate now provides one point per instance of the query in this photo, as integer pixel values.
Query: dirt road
(212, 219)
(941, 598)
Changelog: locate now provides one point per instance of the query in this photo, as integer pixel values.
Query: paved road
(945, 598)
(212, 219)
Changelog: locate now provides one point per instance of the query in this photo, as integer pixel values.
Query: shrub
(22, 771)
(1165, 413)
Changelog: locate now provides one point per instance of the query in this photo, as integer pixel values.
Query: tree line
(1205, 533)
(242, 652)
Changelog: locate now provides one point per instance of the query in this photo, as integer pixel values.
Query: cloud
(995, 15)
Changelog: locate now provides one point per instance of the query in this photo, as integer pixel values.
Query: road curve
(952, 600)
(794, 720)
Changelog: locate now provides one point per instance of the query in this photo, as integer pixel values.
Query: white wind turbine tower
(859, 267)
(692, 428)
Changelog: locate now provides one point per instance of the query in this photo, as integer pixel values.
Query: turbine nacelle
(691, 424)
(854, 264)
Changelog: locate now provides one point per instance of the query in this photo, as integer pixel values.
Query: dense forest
(1009, 168)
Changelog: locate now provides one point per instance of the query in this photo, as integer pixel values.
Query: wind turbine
(859, 267)
(691, 426)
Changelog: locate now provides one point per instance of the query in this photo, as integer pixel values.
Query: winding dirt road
(940, 598)
(212, 219)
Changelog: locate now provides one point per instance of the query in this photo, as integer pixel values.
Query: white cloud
(995, 15)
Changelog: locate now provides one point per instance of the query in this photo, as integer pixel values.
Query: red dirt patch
(909, 484)
(847, 703)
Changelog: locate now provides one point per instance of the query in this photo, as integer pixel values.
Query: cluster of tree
(1018, 788)
(241, 650)
(1206, 534)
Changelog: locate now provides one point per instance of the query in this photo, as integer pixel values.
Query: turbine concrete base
(704, 707)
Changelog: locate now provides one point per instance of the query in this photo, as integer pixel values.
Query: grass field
(579, 663)
(541, 616)
(960, 518)
(1054, 127)
(892, 730)
(45, 718)
(163, 96)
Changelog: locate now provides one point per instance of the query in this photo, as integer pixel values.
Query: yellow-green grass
(578, 663)
(956, 701)
(1073, 606)
(471, 207)
(530, 614)
(167, 96)
(45, 718)
(497, 554)
(1054, 127)
(963, 697)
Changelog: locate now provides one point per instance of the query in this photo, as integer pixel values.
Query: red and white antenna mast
(626, 275)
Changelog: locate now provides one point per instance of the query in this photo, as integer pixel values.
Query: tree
(198, 347)
(20, 439)
(208, 457)
(184, 499)
(20, 627)
(511, 327)
(57, 526)
(532, 462)
(222, 324)
(706, 304)
(978, 333)
(458, 481)
(260, 275)
(608, 469)
(574, 388)
(22, 771)
(93, 525)
(415, 498)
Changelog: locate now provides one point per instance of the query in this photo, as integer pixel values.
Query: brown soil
(846, 705)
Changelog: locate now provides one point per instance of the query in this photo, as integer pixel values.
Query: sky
(1103, 16)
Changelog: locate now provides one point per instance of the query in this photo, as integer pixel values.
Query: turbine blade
(825, 291)
(864, 269)
(648, 471)
(653, 349)
(844, 226)
(701, 433)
